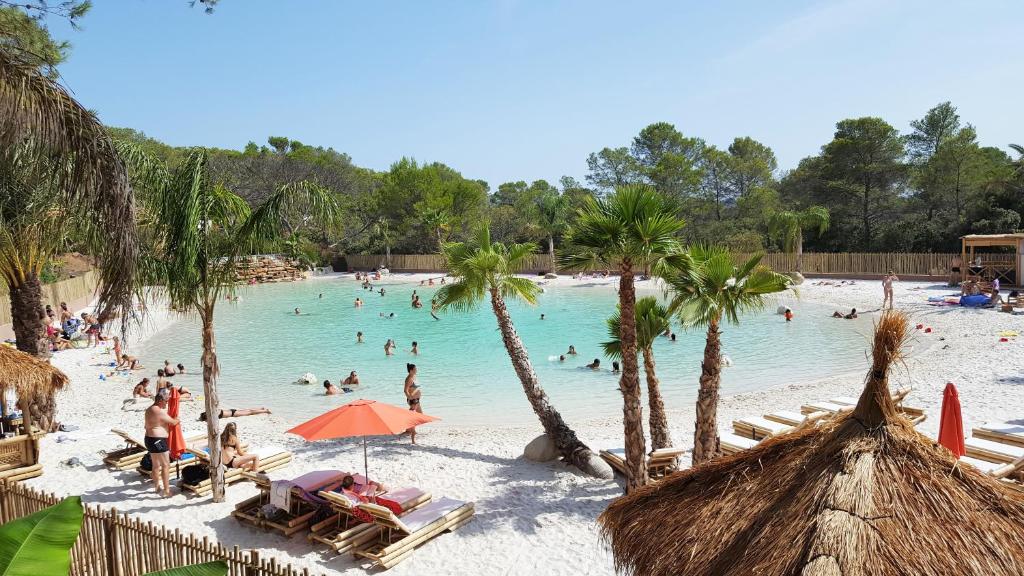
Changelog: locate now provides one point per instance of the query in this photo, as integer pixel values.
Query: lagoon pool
(465, 372)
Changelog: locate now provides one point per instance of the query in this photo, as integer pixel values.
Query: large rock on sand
(551, 276)
(797, 278)
(541, 449)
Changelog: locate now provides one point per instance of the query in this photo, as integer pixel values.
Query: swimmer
(672, 336)
(433, 308)
(321, 296)
(431, 283)
(615, 368)
(561, 358)
(389, 347)
(382, 291)
(595, 365)
(541, 316)
(297, 312)
(415, 348)
(168, 369)
(329, 389)
(572, 350)
(789, 315)
(359, 337)
(359, 303)
(352, 380)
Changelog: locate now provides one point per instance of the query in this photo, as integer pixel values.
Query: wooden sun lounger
(996, 469)
(788, 417)
(130, 455)
(271, 458)
(1004, 432)
(660, 462)
(916, 415)
(758, 427)
(731, 443)
(398, 537)
(993, 451)
(300, 513)
(342, 532)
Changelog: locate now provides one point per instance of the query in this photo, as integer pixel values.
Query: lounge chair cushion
(403, 495)
(267, 451)
(1003, 428)
(787, 416)
(983, 465)
(1009, 451)
(420, 517)
(312, 481)
(738, 442)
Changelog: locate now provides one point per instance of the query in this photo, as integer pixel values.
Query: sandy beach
(530, 518)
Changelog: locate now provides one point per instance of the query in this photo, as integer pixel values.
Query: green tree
(752, 166)
(552, 211)
(631, 229)
(864, 166)
(788, 227)
(611, 168)
(652, 319)
(485, 270)
(669, 160)
(200, 230)
(705, 289)
(25, 36)
(929, 133)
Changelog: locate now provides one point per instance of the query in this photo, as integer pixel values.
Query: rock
(598, 468)
(541, 449)
(551, 276)
(797, 278)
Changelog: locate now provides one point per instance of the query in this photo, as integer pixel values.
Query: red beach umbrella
(951, 426)
(361, 418)
(177, 438)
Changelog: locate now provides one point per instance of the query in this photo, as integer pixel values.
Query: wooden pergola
(987, 267)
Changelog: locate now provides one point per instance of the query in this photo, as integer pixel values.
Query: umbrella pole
(366, 466)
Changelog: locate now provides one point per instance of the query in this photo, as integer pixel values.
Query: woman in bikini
(237, 413)
(232, 453)
(413, 392)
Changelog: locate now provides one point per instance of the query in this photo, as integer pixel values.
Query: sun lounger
(271, 458)
(398, 537)
(788, 417)
(992, 450)
(342, 531)
(303, 502)
(916, 415)
(758, 427)
(1004, 432)
(830, 407)
(731, 443)
(659, 462)
(130, 455)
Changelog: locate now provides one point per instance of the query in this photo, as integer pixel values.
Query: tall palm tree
(383, 229)
(788, 226)
(54, 152)
(631, 229)
(552, 213)
(707, 288)
(652, 319)
(201, 230)
(487, 270)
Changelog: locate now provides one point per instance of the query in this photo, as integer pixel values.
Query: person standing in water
(887, 281)
(433, 308)
(413, 393)
(359, 337)
(415, 348)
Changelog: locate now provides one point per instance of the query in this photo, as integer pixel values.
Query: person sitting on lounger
(236, 413)
(360, 492)
(232, 453)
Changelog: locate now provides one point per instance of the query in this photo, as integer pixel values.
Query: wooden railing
(63, 291)
(114, 544)
(815, 263)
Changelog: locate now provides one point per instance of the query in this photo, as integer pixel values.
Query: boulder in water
(541, 449)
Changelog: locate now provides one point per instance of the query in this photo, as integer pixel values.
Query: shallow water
(465, 373)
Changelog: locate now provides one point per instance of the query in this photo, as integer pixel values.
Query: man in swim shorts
(158, 427)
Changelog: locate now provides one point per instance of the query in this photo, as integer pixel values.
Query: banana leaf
(40, 544)
(217, 568)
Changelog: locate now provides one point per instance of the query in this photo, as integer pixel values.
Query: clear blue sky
(521, 90)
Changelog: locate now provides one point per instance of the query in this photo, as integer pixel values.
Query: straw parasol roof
(864, 493)
(28, 375)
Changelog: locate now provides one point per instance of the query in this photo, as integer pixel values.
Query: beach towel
(281, 494)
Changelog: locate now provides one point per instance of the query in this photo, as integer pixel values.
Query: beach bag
(195, 474)
(147, 463)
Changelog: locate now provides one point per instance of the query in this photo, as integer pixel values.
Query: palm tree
(383, 229)
(706, 288)
(789, 226)
(552, 211)
(200, 232)
(486, 270)
(55, 154)
(438, 221)
(652, 319)
(633, 228)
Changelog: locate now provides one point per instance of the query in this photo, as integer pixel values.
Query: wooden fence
(818, 263)
(63, 291)
(113, 544)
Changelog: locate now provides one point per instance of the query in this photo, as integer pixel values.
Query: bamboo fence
(814, 263)
(114, 544)
(63, 291)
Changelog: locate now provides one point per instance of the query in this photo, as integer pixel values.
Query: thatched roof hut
(28, 375)
(864, 493)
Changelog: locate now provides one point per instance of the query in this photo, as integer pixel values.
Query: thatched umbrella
(864, 493)
(29, 377)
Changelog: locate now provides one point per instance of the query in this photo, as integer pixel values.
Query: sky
(522, 90)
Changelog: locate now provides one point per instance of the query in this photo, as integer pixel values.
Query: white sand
(530, 518)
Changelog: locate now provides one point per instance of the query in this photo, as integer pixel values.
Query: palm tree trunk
(551, 253)
(658, 422)
(387, 253)
(212, 404)
(799, 249)
(572, 449)
(705, 438)
(26, 306)
(629, 383)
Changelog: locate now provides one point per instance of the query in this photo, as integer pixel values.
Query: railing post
(112, 538)
(252, 567)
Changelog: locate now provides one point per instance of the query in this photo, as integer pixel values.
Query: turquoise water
(464, 370)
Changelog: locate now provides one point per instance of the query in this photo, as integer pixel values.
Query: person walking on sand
(158, 427)
(413, 393)
(887, 281)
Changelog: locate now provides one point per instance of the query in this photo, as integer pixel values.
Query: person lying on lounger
(236, 413)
